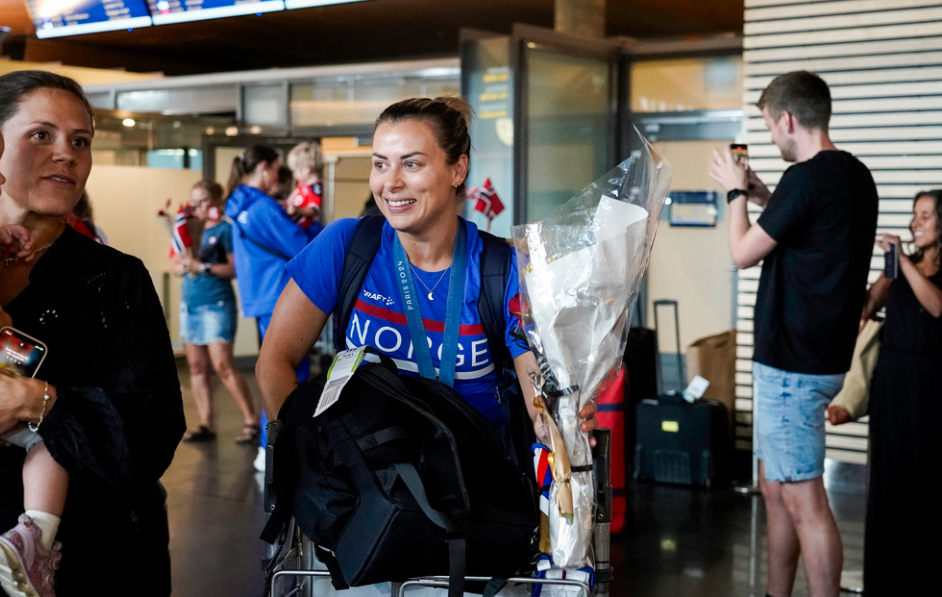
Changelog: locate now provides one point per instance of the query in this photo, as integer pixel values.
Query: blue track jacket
(260, 271)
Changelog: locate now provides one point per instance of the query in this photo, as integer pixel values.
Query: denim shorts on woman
(206, 324)
(791, 411)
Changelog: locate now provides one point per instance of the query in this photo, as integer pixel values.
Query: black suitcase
(682, 443)
(675, 441)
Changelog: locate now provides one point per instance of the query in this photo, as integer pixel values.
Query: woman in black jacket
(107, 399)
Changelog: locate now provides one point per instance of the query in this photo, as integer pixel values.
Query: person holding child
(106, 401)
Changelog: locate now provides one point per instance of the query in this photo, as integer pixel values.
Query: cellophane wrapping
(579, 271)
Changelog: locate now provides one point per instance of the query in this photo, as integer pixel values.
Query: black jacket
(117, 420)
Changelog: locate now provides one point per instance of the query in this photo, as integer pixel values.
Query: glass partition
(487, 84)
(683, 85)
(570, 126)
(359, 101)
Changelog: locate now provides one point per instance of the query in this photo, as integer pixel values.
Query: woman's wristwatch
(205, 267)
(734, 194)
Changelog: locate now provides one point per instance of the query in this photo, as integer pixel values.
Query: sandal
(200, 434)
(250, 434)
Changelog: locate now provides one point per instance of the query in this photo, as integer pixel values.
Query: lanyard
(410, 304)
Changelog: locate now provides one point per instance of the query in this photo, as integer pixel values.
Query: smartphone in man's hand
(740, 153)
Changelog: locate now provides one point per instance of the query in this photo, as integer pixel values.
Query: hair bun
(460, 105)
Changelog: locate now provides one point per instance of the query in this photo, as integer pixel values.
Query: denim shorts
(791, 412)
(206, 324)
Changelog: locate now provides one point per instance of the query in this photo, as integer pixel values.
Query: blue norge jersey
(379, 321)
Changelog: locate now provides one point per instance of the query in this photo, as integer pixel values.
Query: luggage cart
(300, 564)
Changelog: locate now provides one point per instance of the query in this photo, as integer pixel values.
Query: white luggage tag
(340, 372)
(696, 389)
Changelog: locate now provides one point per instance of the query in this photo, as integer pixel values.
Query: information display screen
(54, 18)
(310, 3)
(179, 11)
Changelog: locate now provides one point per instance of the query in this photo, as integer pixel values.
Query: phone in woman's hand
(20, 354)
(891, 262)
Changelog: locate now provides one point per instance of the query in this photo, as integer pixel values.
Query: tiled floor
(679, 542)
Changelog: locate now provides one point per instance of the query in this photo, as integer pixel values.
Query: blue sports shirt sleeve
(516, 346)
(317, 269)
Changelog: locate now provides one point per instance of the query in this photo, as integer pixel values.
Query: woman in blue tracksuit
(264, 239)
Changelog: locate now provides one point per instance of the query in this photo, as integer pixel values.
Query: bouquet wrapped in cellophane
(579, 271)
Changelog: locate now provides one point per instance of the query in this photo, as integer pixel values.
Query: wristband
(204, 268)
(734, 194)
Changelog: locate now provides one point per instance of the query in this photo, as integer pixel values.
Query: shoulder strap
(361, 249)
(495, 268)
(265, 248)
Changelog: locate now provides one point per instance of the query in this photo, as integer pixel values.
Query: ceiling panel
(357, 32)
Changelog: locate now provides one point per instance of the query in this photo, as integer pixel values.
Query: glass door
(566, 117)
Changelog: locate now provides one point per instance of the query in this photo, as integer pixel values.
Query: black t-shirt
(823, 215)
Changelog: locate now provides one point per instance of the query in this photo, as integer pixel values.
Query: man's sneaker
(27, 569)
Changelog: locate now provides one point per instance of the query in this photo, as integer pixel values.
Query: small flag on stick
(486, 201)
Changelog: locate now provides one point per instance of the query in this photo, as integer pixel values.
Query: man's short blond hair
(307, 155)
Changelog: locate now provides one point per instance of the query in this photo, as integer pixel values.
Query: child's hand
(15, 241)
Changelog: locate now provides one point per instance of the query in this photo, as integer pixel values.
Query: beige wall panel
(126, 200)
(868, 48)
(692, 264)
(841, 21)
(929, 73)
(826, 65)
(841, 36)
(868, 91)
(882, 60)
(792, 10)
(841, 121)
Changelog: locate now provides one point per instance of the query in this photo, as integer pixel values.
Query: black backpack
(495, 267)
(402, 477)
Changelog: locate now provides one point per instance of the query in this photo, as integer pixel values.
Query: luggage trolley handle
(680, 358)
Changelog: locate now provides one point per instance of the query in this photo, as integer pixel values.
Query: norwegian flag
(487, 201)
(180, 240)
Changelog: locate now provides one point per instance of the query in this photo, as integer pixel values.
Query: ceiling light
(128, 122)
(232, 131)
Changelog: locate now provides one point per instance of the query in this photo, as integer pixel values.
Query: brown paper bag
(714, 358)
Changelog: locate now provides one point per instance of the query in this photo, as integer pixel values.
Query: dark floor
(679, 542)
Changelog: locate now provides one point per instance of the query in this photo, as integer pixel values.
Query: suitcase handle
(680, 358)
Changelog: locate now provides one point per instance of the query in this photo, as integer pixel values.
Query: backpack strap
(361, 249)
(495, 269)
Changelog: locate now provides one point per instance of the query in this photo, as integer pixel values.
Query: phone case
(20, 353)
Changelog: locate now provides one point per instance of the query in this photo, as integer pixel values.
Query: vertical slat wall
(883, 62)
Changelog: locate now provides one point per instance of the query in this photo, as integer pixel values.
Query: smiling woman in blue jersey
(421, 149)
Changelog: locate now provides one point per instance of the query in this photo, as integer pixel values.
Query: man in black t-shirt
(815, 240)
